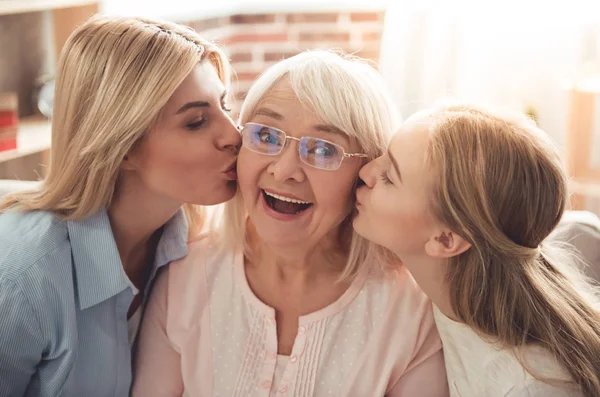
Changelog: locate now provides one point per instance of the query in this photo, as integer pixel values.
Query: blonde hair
(343, 91)
(113, 78)
(501, 185)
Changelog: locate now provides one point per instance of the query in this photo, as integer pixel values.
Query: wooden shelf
(22, 6)
(31, 157)
(34, 136)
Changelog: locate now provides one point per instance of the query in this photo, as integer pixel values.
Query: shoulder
(188, 282)
(536, 388)
(28, 239)
(529, 362)
(517, 372)
(205, 253)
(403, 337)
(412, 311)
(542, 364)
(403, 298)
(35, 269)
(407, 323)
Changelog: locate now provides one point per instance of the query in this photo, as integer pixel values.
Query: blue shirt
(64, 298)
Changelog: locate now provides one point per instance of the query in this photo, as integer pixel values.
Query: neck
(430, 274)
(136, 215)
(298, 265)
(290, 268)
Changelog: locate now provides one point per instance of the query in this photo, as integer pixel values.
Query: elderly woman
(287, 300)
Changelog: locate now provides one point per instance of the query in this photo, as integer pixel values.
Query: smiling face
(290, 203)
(189, 155)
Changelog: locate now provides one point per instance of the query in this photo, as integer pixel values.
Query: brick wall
(255, 41)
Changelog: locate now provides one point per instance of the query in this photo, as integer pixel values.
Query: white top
(478, 368)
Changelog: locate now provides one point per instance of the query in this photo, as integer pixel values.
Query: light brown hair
(502, 186)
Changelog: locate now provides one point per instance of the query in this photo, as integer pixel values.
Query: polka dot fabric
(370, 342)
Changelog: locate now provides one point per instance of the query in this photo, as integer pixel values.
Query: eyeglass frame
(285, 140)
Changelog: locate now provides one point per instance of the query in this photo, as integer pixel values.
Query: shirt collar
(98, 267)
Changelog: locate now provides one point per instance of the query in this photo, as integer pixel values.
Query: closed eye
(385, 178)
(196, 124)
(224, 105)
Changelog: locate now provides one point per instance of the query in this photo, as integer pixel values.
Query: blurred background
(529, 55)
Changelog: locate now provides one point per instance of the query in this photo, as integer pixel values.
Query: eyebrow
(395, 164)
(199, 104)
(330, 129)
(263, 111)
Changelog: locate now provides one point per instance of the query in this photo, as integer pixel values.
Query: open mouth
(285, 205)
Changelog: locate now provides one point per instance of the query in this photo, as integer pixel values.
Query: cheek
(334, 191)
(182, 165)
(402, 218)
(250, 166)
(195, 157)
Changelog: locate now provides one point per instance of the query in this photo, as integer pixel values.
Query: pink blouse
(206, 334)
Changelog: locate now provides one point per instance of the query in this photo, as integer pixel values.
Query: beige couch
(10, 185)
(580, 228)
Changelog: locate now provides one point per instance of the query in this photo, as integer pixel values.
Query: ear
(128, 163)
(446, 244)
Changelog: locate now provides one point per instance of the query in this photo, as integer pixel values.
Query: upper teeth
(282, 198)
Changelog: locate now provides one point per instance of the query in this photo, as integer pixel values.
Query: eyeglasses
(315, 152)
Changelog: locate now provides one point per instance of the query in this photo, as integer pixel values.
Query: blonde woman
(466, 198)
(288, 301)
(140, 129)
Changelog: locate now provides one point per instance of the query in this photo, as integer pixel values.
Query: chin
(217, 196)
(356, 225)
(363, 230)
(281, 238)
(283, 243)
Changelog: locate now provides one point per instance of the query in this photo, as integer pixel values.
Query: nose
(229, 138)
(368, 174)
(287, 165)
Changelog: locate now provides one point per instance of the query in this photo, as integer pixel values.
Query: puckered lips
(231, 172)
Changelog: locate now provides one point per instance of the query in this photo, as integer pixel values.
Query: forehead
(281, 90)
(282, 99)
(409, 145)
(203, 83)
(282, 105)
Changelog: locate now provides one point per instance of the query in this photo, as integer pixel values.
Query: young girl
(466, 198)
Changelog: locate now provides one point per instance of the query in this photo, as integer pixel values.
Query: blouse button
(302, 330)
(266, 384)
(283, 390)
(293, 359)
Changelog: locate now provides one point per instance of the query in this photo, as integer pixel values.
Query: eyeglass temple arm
(355, 155)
